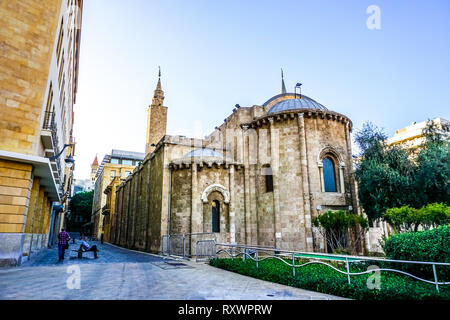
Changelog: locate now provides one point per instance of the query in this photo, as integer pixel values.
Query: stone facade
(37, 93)
(259, 179)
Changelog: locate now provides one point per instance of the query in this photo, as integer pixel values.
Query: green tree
(80, 210)
(432, 178)
(384, 174)
(391, 177)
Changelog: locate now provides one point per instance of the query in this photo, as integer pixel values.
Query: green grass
(321, 278)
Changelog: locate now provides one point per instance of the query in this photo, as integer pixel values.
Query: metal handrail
(348, 260)
(332, 254)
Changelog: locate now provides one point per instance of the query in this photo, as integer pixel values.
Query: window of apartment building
(62, 103)
(48, 108)
(127, 162)
(60, 40)
(114, 161)
(127, 173)
(60, 74)
(113, 173)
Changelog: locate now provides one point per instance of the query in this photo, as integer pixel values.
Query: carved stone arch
(216, 187)
(327, 151)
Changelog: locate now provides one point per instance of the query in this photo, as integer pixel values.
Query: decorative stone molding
(329, 150)
(216, 187)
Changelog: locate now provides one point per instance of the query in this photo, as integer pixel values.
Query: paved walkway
(124, 274)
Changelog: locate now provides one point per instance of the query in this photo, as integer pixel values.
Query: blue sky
(214, 54)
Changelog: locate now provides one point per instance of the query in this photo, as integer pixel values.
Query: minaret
(94, 167)
(156, 119)
(283, 87)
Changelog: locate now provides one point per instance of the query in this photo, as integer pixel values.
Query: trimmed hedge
(428, 245)
(321, 278)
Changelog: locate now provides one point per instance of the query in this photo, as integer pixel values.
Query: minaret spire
(156, 118)
(283, 87)
(158, 95)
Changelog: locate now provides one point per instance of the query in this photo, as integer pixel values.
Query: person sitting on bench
(85, 246)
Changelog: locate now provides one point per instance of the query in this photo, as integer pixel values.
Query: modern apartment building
(412, 136)
(119, 164)
(39, 62)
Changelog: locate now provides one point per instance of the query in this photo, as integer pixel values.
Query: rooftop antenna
(299, 86)
(283, 87)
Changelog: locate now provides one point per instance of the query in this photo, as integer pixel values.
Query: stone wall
(139, 206)
(27, 34)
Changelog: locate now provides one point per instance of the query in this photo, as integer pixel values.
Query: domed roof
(296, 103)
(204, 152)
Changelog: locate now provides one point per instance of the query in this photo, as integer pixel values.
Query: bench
(80, 252)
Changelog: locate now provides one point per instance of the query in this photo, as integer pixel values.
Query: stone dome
(204, 152)
(292, 102)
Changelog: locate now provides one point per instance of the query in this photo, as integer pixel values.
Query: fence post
(293, 264)
(435, 278)
(257, 257)
(348, 270)
(184, 246)
(168, 245)
(245, 252)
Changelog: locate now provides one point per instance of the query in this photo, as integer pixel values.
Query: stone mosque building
(259, 178)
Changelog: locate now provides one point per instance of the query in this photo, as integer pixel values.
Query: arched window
(329, 177)
(215, 216)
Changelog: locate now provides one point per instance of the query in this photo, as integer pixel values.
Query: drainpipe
(169, 208)
(170, 198)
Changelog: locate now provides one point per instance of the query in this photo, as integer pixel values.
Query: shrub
(321, 278)
(336, 227)
(409, 219)
(428, 245)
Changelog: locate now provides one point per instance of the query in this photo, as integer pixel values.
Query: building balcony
(49, 138)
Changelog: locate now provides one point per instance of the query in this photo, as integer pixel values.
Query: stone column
(196, 204)
(231, 206)
(341, 176)
(322, 181)
(245, 154)
(305, 182)
(274, 164)
(350, 170)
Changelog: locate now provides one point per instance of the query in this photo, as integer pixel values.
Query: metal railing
(253, 252)
(49, 120)
(184, 244)
(49, 124)
(205, 249)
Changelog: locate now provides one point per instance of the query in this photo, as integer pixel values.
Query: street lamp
(69, 160)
